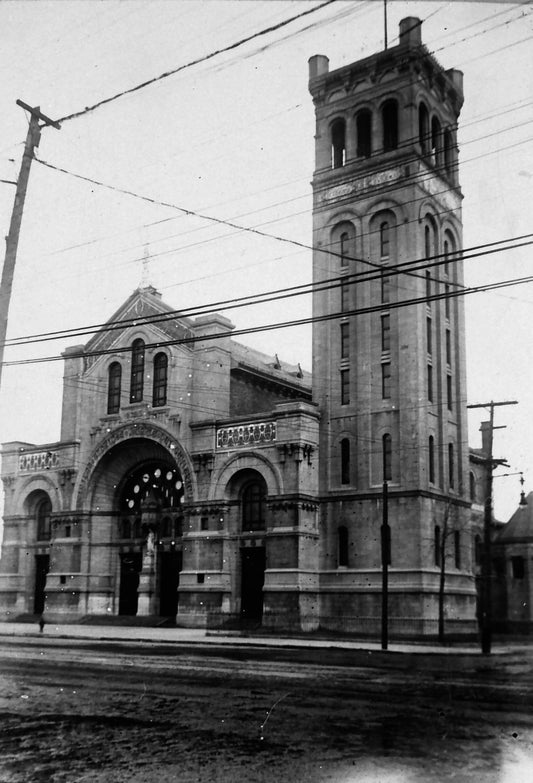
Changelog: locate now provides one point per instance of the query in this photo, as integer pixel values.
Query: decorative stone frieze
(38, 460)
(285, 505)
(205, 511)
(349, 189)
(255, 434)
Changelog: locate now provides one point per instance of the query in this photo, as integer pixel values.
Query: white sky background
(234, 138)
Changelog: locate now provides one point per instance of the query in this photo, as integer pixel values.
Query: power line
(380, 271)
(513, 106)
(285, 324)
(415, 178)
(197, 61)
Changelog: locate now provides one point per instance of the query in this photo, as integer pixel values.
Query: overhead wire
(284, 324)
(506, 109)
(197, 61)
(378, 272)
(415, 178)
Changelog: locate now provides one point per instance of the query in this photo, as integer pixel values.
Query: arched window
(431, 459)
(387, 457)
(436, 140)
(449, 251)
(437, 546)
(42, 514)
(338, 144)
(451, 465)
(345, 248)
(364, 133)
(137, 371)
(113, 387)
(448, 149)
(383, 245)
(253, 506)
(430, 237)
(389, 116)
(343, 242)
(153, 483)
(345, 461)
(342, 543)
(423, 127)
(159, 395)
(446, 257)
(473, 488)
(384, 240)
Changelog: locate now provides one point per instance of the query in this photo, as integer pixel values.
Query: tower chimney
(318, 65)
(410, 31)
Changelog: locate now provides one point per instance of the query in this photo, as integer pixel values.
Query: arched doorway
(39, 510)
(150, 527)
(250, 488)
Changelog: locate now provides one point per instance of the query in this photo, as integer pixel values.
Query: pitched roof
(520, 526)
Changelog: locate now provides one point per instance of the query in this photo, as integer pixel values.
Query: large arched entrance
(150, 520)
(132, 490)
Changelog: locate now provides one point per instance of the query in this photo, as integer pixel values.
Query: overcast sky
(233, 138)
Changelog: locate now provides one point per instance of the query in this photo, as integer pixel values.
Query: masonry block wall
(389, 370)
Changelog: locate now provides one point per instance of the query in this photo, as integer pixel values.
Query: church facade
(200, 480)
(182, 471)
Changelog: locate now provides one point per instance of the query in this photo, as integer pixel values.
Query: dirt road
(118, 713)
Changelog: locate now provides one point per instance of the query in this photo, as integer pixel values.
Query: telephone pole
(12, 239)
(486, 564)
(385, 563)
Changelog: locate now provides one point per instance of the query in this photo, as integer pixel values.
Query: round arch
(118, 452)
(248, 460)
(34, 484)
(427, 207)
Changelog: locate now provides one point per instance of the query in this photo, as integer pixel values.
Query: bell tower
(388, 338)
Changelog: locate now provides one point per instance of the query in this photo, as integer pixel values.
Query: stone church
(202, 481)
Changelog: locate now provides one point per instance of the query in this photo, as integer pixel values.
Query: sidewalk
(151, 635)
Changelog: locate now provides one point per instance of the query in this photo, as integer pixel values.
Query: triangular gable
(141, 305)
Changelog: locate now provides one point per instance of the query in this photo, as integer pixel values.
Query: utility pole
(12, 239)
(385, 563)
(486, 564)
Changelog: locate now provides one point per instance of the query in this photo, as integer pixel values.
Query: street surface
(81, 711)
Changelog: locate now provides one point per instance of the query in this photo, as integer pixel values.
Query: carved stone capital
(203, 461)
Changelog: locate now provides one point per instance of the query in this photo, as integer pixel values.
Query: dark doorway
(130, 566)
(42, 566)
(253, 563)
(169, 577)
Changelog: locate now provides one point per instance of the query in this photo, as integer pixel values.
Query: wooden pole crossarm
(36, 112)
